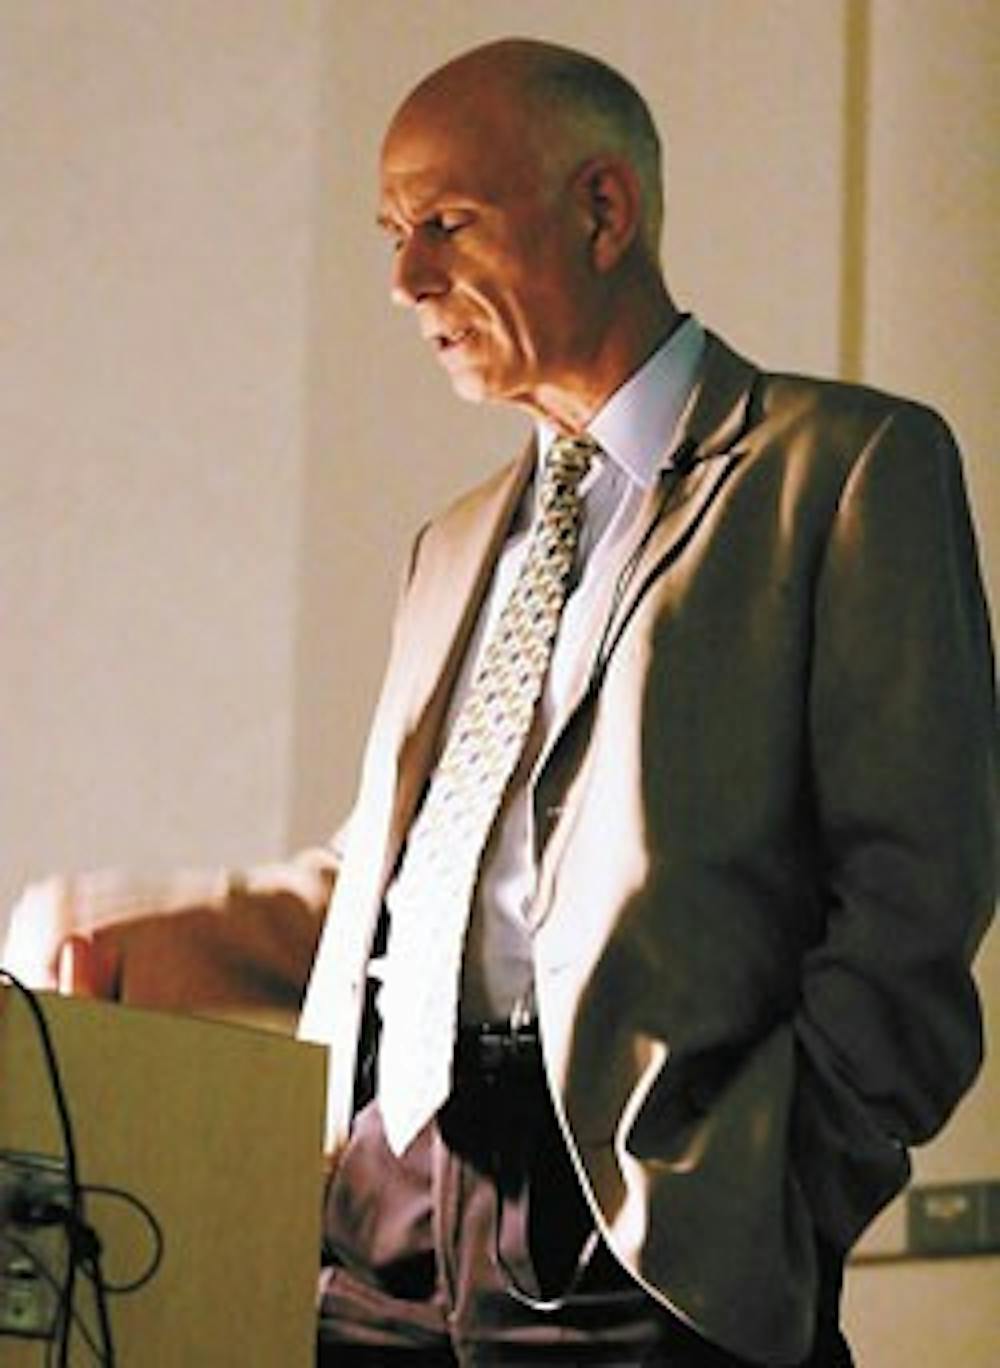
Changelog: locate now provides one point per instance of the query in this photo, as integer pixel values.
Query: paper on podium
(217, 1128)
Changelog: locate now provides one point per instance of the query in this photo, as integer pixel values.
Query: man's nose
(416, 275)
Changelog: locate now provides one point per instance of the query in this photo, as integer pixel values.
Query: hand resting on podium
(215, 943)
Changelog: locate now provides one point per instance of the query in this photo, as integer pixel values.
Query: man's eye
(447, 225)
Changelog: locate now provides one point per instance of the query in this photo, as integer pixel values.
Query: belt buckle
(500, 1046)
(494, 1047)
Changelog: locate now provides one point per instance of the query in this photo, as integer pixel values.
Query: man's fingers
(83, 971)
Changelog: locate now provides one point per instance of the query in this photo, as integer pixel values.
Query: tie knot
(567, 462)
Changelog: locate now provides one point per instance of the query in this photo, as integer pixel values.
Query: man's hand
(191, 938)
(44, 947)
(51, 941)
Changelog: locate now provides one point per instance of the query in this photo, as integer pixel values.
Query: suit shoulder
(469, 516)
(809, 397)
(472, 499)
(466, 509)
(837, 423)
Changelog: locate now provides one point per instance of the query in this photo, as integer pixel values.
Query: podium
(217, 1130)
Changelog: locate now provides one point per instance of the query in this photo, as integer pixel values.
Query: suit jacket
(764, 829)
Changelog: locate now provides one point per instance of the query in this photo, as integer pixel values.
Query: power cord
(84, 1243)
(121, 1289)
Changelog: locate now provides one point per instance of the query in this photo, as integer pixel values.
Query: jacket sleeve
(903, 751)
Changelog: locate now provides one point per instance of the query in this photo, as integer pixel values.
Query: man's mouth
(447, 341)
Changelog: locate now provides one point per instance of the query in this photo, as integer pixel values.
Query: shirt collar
(634, 426)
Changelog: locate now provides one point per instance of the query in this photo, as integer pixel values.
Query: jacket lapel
(703, 452)
(447, 605)
(443, 609)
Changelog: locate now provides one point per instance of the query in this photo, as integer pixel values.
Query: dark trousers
(476, 1247)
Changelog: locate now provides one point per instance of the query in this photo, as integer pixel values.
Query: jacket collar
(718, 411)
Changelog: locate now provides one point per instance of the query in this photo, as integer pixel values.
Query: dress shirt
(633, 429)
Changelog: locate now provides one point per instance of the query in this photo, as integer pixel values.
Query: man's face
(491, 253)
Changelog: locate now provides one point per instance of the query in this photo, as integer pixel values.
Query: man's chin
(478, 384)
(468, 385)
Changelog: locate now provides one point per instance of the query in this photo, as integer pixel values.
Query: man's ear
(608, 193)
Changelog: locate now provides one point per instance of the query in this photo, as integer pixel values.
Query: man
(682, 769)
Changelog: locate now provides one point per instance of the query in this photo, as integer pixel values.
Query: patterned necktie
(433, 894)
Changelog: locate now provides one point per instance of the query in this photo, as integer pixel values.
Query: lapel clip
(684, 458)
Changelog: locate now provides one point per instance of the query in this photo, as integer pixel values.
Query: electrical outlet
(952, 1219)
(34, 1249)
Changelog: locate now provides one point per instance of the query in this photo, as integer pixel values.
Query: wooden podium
(217, 1129)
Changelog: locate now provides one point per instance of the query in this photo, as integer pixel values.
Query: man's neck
(642, 318)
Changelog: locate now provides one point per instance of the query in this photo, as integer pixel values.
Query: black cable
(155, 1229)
(87, 1254)
(84, 1244)
(90, 1266)
(69, 1144)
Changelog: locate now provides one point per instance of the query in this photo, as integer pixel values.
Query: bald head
(520, 185)
(557, 107)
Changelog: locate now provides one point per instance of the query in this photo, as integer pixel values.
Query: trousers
(476, 1247)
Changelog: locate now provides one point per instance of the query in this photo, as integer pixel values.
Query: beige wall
(217, 438)
(157, 164)
(932, 247)
(930, 296)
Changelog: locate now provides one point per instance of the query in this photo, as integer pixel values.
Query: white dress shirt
(633, 429)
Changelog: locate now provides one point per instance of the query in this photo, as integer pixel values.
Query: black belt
(493, 1048)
